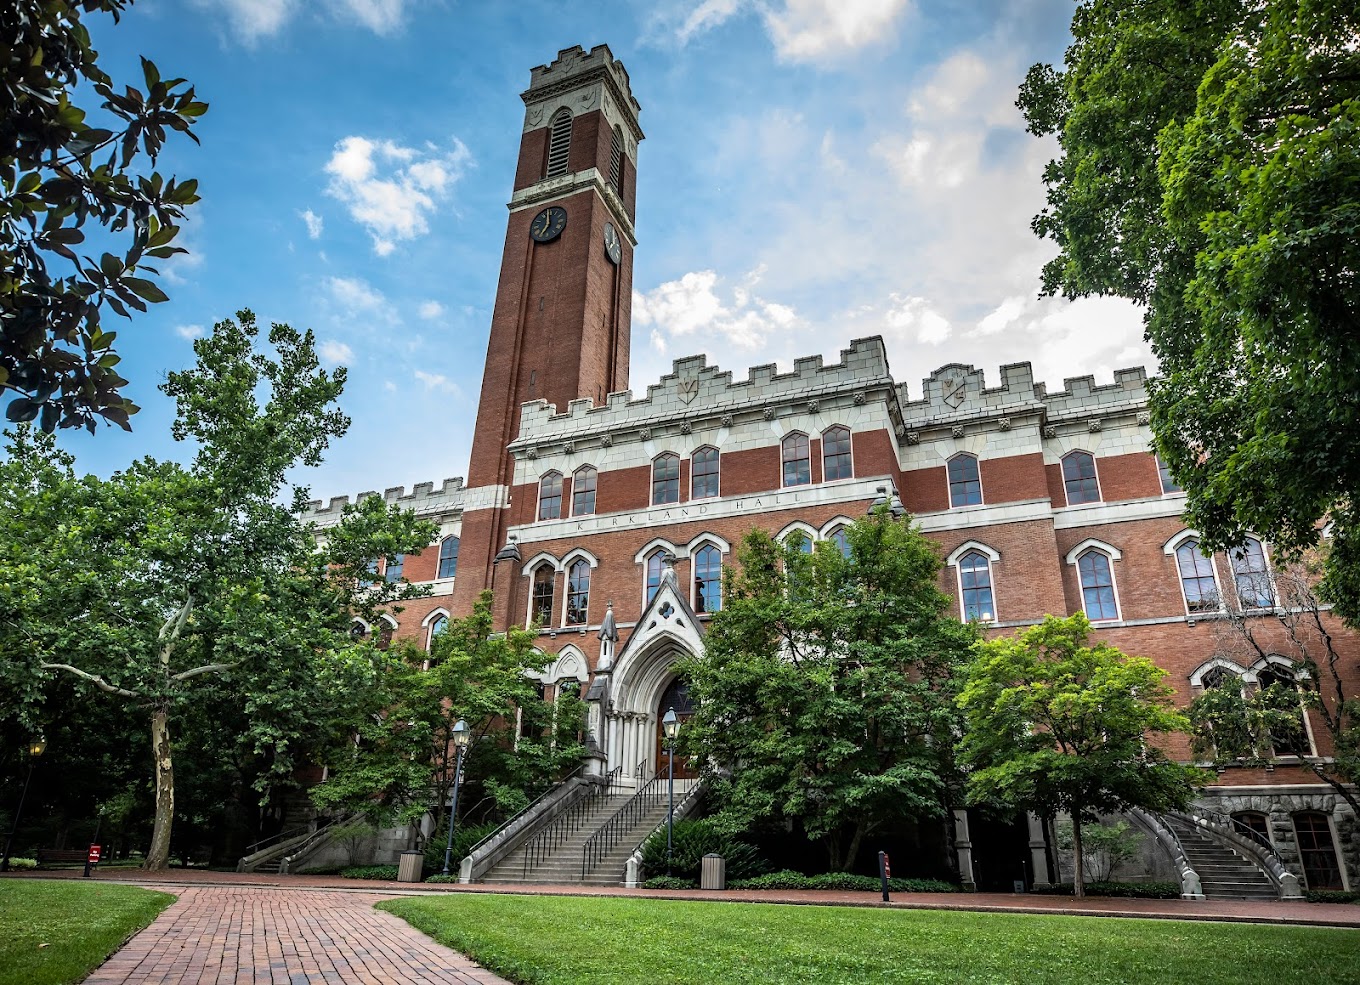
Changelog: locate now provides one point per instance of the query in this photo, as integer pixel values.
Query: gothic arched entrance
(675, 696)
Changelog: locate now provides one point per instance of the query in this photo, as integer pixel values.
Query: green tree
(399, 762)
(1056, 725)
(163, 583)
(1210, 169)
(826, 690)
(54, 181)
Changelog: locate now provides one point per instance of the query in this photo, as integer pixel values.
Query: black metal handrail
(625, 819)
(542, 845)
(530, 806)
(281, 836)
(1237, 826)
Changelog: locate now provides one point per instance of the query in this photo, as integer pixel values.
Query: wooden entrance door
(676, 696)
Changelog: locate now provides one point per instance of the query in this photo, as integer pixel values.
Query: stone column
(964, 846)
(1038, 853)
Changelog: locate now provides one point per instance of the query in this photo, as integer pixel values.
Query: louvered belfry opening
(559, 143)
(616, 160)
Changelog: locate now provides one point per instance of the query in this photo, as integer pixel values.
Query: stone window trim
(1080, 457)
(795, 460)
(797, 527)
(361, 625)
(1111, 555)
(528, 567)
(665, 479)
(700, 459)
(658, 544)
(584, 480)
(550, 496)
(955, 561)
(834, 524)
(1198, 675)
(959, 479)
(434, 623)
(834, 434)
(1175, 549)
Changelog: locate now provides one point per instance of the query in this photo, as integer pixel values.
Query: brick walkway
(253, 936)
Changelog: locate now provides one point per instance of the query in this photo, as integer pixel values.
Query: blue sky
(814, 171)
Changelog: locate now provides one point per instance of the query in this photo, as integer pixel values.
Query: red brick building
(605, 516)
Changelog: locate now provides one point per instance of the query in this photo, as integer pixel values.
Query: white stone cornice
(486, 498)
(564, 186)
(1093, 514)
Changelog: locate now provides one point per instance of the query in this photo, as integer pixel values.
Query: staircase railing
(1242, 839)
(267, 849)
(542, 845)
(314, 842)
(529, 807)
(1191, 888)
(625, 819)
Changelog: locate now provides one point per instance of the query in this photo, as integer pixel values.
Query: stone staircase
(1223, 873)
(562, 866)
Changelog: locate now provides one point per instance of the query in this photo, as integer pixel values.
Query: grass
(546, 940)
(52, 933)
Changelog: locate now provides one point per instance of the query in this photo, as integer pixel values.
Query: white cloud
(251, 20)
(190, 332)
(437, 382)
(391, 190)
(706, 16)
(691, 306)
(355, 295)
(811, 30)
(912, 318)
(379, 16)
(314, 222)
(430, 309)
(333, 353)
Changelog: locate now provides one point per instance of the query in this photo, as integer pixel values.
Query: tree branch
(205, 669)
(94, 679)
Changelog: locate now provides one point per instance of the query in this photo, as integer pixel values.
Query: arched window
(386, 626)
(796, 459)
(559, 143)
(1097, 586)
(708, 579)
(1197, 578)
(357, 630)
(799, 541)
(1079, 478)
(1169, 484)
(703, 473)
(1221, 678)
(1253, 825)
(665, 479)
(842, 541)
(1290, 739)
(437, 626)
(545, 584)
(395, 564)
(1317, 850)
(550, 496)
(965, 483)
(655, 565)
(583, 491)
(578, 593)
(448, 557)
(836, 454)
(975, 587)
(1252, 575)
(616, 160)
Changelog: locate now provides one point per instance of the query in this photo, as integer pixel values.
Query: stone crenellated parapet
(695, 389)
(424, 499)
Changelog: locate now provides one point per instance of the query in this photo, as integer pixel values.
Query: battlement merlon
(694, 389)
(424, 499)
(574, 68)
(957, 393)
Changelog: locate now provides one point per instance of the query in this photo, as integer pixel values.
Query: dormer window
(559, 143)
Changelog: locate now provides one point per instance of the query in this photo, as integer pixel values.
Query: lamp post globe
(462, 736)
(670, 726)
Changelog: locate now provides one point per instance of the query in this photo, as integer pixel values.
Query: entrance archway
(675, 696)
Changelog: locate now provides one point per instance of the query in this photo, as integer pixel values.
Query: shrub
(441, 878)
(23, 863)
(1312, 895)
(1129, 890)
(669, 882)
(369, 872)
(1104, 847)
(464, 838)
(843, 882)
(692, 841)
(322, 870)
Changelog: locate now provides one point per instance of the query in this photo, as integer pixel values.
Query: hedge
(388, 872)
(1129, 890)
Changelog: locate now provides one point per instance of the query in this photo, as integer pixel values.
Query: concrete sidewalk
(1233, 911)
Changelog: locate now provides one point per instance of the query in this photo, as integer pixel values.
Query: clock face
(612, 248)
(548, 224)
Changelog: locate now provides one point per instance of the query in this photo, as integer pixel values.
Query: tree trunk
(1078, 861)
(158, 857)
(852, 852)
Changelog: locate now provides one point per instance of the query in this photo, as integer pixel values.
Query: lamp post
(35, 750)
(670, 724)
(461, 737)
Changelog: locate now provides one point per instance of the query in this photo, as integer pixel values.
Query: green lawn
(547, 940)
(81, 924)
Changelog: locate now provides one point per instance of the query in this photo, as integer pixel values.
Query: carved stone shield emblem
(953, 389)
(688, 388)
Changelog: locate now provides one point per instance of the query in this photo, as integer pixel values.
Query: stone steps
(1223, 873)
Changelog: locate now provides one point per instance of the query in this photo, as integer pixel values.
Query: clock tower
(560, 326)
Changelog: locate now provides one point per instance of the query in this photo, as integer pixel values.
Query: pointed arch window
(1290, 740)
(975, 587)
(796, 459)
(583, 491)
(1197, 578)
(437, 626)
(578, 593)
(708, 579)
(559, 143)
(965, 482)
(1097, 586)
(655, 566)
(842, 541)
(448, 557)
(703, 473)
(1252, 575)
(836, 462)
(550, 496)
(665, 479)
(1079, 478)
(545, 586)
